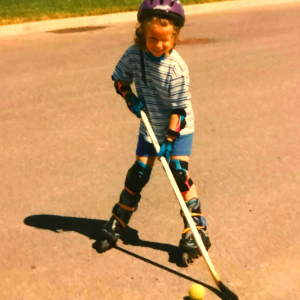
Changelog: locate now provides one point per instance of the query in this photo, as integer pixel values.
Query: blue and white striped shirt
(166, 88)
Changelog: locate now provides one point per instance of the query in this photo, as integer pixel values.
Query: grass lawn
(20, 11)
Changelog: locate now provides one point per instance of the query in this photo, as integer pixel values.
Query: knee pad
(137, 177)
(179, 169)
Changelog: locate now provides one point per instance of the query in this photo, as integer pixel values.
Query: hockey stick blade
(186, 212)
(224, 289)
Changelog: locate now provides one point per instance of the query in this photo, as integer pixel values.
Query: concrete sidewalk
(49, 25)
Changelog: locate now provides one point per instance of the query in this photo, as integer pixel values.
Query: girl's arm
(173, 125)
(133, 103)
(177, 122)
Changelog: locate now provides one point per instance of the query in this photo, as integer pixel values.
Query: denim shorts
(181, 147)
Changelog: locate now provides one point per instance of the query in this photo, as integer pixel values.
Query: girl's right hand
(134, 104)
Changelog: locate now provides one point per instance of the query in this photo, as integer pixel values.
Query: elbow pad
(121, 89)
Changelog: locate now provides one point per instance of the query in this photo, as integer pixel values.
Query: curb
(104, 20)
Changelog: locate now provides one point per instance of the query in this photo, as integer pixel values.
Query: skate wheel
(104, 246)
(185, 259)
(101, 246)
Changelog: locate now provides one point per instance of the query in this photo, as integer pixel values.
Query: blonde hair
(141, 31)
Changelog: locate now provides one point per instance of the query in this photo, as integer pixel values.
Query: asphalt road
(67, 140)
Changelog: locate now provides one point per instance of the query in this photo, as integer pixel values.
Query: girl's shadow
(91, 228)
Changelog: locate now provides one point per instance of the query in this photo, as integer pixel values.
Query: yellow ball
(197, 292)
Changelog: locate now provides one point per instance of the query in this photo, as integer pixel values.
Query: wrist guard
(181, 123)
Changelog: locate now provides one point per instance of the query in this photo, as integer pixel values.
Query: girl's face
(159, 39)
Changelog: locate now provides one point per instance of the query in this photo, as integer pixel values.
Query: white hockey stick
(186, 212)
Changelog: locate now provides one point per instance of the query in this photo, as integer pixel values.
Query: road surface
(67, 141)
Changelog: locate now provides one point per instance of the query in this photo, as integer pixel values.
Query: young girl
(162, 84)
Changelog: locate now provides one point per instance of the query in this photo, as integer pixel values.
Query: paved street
(67, 141)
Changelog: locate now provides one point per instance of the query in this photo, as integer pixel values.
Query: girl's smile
(159, 39)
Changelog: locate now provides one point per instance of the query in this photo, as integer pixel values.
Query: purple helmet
(168, 9)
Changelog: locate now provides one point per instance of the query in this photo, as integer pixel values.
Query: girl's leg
(192, 192)
(137, 177)
(149, 161)
(179, 168)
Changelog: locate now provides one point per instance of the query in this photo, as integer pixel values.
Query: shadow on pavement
(91, 229)
(77, 29)
(214, 290)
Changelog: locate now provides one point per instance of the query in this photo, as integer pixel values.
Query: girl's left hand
(166, 149)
